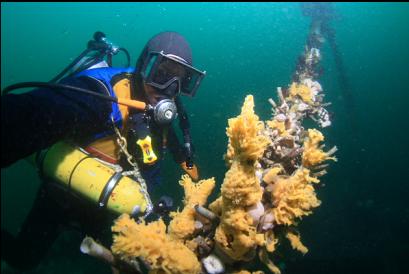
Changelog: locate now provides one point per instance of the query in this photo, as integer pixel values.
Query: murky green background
(362, 224)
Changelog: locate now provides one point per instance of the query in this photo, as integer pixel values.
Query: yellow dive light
(149, 156)
(93, 179)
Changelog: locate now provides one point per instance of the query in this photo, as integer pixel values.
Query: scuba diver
(113, 121)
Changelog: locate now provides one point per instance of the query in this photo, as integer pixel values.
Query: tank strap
(109, 187)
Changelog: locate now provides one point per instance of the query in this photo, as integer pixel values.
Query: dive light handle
(189, 156)
(188, 148)
(185, 127)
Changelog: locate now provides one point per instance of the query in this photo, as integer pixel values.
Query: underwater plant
(268, 189)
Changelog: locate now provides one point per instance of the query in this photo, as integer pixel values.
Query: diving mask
(171, 74)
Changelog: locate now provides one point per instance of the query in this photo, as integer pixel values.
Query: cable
(75, 167)
(57, 86)
(128, 57)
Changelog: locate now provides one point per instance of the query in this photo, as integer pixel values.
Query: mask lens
(168, 75)
(161, 71)
(167, 71)
(191, 82)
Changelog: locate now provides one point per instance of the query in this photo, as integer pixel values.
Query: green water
(362, 224)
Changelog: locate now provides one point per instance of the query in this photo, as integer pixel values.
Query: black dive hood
(170, 43)
(167, 42)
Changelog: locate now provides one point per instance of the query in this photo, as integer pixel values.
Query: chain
(121, 141)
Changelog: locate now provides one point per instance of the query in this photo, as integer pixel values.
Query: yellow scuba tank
(93, 180)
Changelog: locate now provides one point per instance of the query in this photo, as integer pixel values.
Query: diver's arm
(175, 147)
(179, 155)
(37, 119)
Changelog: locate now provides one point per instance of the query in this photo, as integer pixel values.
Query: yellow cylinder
(88, 177)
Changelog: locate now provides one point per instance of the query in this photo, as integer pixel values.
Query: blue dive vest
(105, 75)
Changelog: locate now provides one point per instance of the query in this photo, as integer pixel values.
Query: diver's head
(165, 68)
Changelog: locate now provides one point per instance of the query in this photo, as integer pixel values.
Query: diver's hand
(193, 172)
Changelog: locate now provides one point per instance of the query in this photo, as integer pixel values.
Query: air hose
(127, 102)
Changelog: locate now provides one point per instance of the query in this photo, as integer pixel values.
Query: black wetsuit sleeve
(37, 119)
(177, 150)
